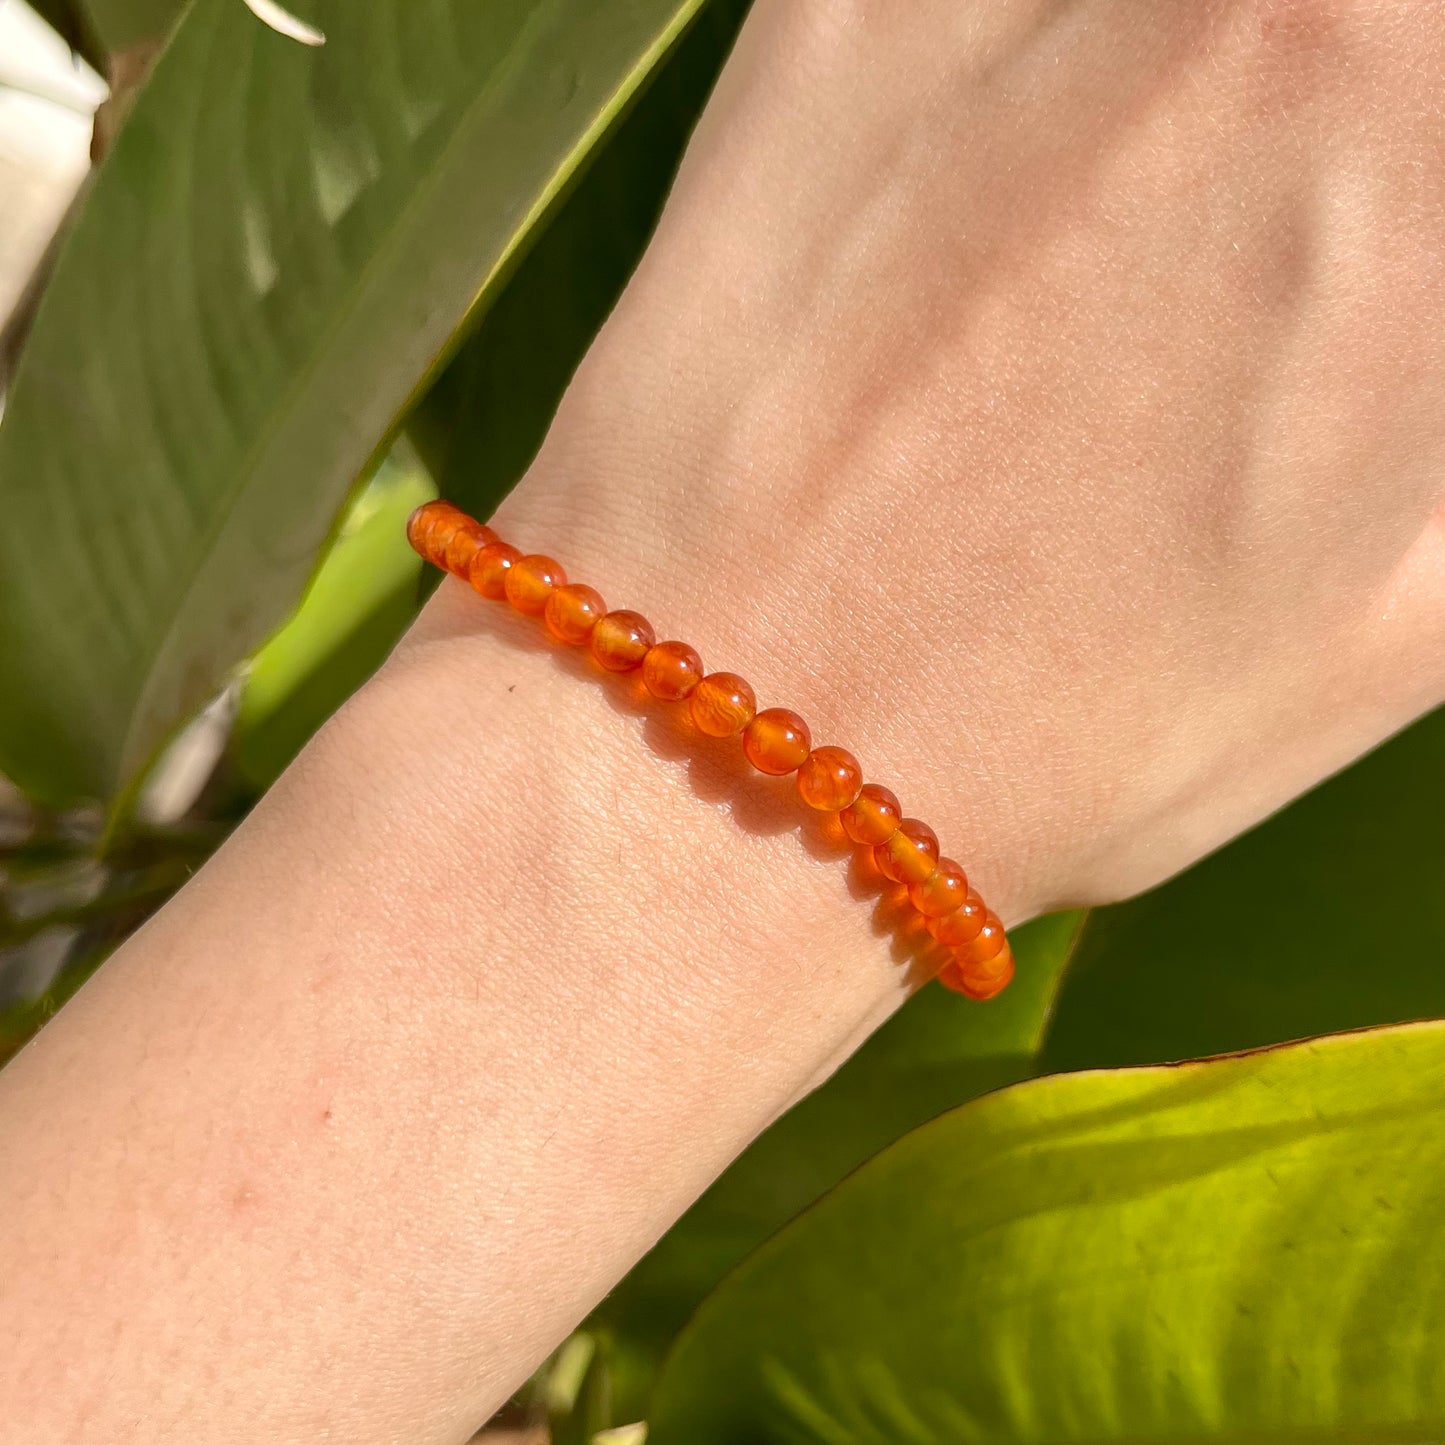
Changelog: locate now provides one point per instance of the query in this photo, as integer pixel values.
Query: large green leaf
(480, 425)
(278, 248)
(1244, 1250)
(1330, 916)
(121, 24)
(936, 1052)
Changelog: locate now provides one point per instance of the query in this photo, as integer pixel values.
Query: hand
(1050, 409)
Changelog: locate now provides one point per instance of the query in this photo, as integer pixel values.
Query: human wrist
(473, 552)
(722, 552)
(598, 830)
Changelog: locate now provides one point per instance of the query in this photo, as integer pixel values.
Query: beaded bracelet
(776, 741)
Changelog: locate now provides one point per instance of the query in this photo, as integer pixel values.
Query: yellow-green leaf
(1245, 1250)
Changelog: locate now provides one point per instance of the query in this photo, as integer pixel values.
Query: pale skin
(1046, 401)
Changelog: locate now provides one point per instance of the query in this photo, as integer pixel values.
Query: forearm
(497, 980)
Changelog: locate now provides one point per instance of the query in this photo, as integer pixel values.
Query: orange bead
(990, 985)
(531, 580)
(911, 854)
(979, 981)
(416, 524)
(830, 780)
(988, 944)
(621, 640)
(777, 741)
(440, 536)
(723, 704)
(436, 537)
(424, 521)
(986, 964)
(571, 612)
(489, 569)
(671, 670)
(466, 540)
(873, 816)
(942, 892)
(963, 924)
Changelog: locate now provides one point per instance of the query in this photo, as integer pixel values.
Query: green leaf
(121, 24)
(1330, 916)
(481, 424)
(278, 248)
(360, 602)
(1243, 1250)
(936, 1052)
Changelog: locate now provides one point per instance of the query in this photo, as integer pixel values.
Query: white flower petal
(283, 21)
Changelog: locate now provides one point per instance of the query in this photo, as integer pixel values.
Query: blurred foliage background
(306, 288)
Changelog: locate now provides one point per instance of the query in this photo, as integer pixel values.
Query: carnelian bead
(942, 892)
(531, 580)
(621, 640)
(424, 521)
(986, 976)
(873, 816)
(963, 924)
(467, 539)
(723, 704)
(951, 976)
(777, 741)
(911, 854)
(979, 981)
(671, 670)
(489, 569)
(416, 524)
(439, 535)
(830, 780)
(572, 611)
(987, 944)
(434, 538)
(991, 983)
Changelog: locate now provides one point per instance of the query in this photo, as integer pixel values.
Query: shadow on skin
(717, 772)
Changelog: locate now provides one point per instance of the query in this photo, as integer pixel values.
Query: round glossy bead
(671, 670)
(531, 580)
(723, 704)
(950, 977)
(942, 892)
(466, 540)
(873, 816)
(979, 981)
(963, 924)
(425, 520)
(777, 741)
(434, 539)
(621, 640)
(986, 964)
(440, 534)
(911, 854)
(988, 944)
(571, 612)
(489, 569)
(830, 780)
